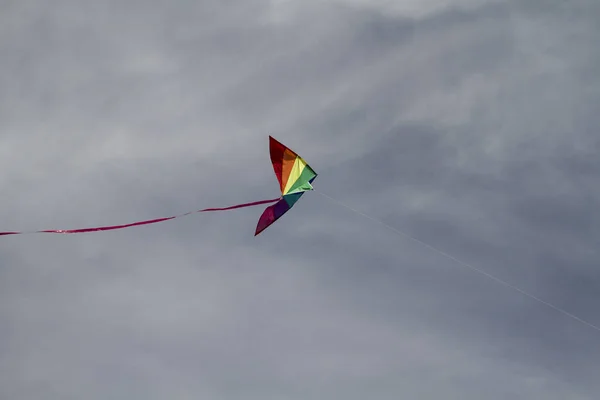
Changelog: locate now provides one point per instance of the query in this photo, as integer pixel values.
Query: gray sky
(469, 124)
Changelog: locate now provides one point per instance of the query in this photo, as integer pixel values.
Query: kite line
(464, 264)
(138, 223)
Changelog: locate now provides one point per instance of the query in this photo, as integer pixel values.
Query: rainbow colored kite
(295, 177)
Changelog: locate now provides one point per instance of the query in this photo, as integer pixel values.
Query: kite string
(464, 264)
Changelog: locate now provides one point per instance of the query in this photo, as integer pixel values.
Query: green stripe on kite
(303, 182)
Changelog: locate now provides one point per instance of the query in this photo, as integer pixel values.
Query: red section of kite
(276, 151)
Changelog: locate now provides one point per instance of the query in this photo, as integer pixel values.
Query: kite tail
(254, 203)
(138, 223)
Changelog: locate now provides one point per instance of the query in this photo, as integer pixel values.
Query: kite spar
(293, 173)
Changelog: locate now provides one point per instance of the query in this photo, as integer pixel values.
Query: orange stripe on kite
(289, 160)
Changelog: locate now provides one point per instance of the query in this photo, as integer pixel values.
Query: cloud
(470, 125)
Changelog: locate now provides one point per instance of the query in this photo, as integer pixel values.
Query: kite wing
(295, 177)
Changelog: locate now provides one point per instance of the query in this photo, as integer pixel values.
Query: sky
(470, 125)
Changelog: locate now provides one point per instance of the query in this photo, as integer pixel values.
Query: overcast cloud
(470, 124)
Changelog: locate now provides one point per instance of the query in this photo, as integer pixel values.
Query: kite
(295, 177)
(293, 173)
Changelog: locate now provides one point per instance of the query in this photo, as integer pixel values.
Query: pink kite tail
(254, 203)
(146, 222)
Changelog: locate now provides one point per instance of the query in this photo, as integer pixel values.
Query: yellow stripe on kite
(295, 173)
